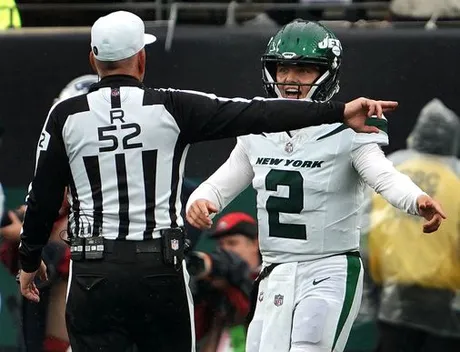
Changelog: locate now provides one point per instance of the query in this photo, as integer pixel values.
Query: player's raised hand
(198, 215)
(358, 110)
(431, 211)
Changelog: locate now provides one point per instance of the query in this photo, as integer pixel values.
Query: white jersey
(309, 187)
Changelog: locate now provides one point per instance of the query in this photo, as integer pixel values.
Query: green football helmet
(304, 42)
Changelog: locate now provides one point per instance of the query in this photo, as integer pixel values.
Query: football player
(309, 185)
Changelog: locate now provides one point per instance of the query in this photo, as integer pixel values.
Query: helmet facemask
(322, 89)
(303, 42)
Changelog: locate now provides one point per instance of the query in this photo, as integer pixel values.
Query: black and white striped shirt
(121, 150)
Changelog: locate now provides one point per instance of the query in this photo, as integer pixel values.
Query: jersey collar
(115, 81)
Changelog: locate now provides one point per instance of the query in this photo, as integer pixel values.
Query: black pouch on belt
(173, 243)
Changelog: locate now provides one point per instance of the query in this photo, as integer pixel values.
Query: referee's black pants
(129, 299)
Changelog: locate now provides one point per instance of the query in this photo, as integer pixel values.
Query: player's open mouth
(292, 93)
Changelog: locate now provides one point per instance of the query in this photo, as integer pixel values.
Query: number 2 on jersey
(290, 205)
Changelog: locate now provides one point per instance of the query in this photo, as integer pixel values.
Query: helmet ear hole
(322, 70)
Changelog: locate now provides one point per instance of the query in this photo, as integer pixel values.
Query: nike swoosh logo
(316, 282)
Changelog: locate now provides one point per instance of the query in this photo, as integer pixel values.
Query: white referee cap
(118, 35)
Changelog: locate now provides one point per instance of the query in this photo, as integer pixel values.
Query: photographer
(222, 281)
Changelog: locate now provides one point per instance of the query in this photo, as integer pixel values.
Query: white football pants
(307, 306)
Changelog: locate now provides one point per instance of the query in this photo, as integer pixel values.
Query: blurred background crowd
(411, 295)
(31, 13)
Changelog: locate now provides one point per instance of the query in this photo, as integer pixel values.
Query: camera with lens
(219, 264)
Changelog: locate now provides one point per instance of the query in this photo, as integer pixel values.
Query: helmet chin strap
(314, 88)
(271, 80)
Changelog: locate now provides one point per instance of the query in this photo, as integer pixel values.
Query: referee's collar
(115, 81)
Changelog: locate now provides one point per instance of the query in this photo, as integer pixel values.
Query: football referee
(121, 149)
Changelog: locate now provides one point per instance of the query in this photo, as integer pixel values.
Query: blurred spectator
(10, 326)
(418, 274)
(2, 198)
(9, 15)
(362, 13)
(10, 231)
(283, 17)
(424, 9)
(222, 281)
(316, 15)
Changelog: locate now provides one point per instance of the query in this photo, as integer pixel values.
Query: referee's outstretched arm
(205, 116)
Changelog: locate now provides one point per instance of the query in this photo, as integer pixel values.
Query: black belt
(266, 271)
(255, 289)
(351, 254)
(145, 246)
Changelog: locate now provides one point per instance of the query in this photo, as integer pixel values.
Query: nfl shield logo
(278, 300)
(175, 245)
(261, 296)
(289, 147)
